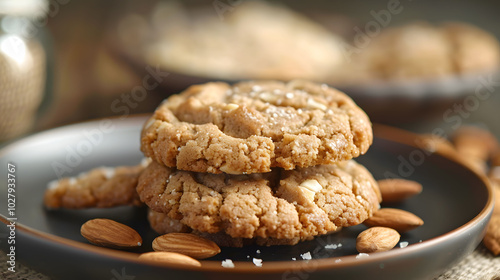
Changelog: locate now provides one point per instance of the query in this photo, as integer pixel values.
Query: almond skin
(397, 190)
(169, 258)
(397, 219)
(495, 159)
(187, 244)
(492, 237)
(475, 142)
(377, 239)
(108, 233)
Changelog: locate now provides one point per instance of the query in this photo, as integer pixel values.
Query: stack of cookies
(265, 163)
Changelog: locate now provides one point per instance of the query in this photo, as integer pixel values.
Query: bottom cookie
(162, 224)
(283, 205)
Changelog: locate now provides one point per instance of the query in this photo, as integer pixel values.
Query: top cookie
(252, 126)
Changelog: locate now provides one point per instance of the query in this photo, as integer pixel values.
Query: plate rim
(380, 131)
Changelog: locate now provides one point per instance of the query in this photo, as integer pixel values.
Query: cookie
(282, 42)
(280, 204)
(474, 49)
(252, 126)
(417, 50)
(100, 187)
(162, 224)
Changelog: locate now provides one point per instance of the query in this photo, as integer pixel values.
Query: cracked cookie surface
(250, 127)
(295, 204)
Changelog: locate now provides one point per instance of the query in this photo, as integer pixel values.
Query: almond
(108, 233)
(495, 159)
(396, 190)
(397, 219)
(377, 239)
(186, 243)
(475, 142)
(495, 182)
(492, 237)
(435, 143)
(169, 258)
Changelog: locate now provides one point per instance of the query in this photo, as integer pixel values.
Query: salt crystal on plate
(306, 256)
(362, 255)
(257, 262)
(228, 263)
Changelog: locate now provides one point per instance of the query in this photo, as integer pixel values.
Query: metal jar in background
(22, 65)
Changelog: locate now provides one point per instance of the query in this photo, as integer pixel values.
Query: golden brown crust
(252, 126)
(280, 204)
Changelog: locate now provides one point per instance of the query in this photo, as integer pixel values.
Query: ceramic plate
(455, 204)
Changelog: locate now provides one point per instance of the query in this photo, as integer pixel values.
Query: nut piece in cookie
(250, 127)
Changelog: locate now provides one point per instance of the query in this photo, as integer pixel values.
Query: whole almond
(496, 194)
(108, 233)
(396, 190)
(169, 258)
(475, 142)
(397, 219)
(492, 237)
(435, 143)
(495, 159)
(186, 243)
(377, 239)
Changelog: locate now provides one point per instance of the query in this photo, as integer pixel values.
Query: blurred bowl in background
(406, 74)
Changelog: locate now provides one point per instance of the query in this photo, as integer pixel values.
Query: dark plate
(456, 204)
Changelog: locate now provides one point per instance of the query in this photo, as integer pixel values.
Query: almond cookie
(162, 224)
(252, 126)
(475, 50)
(100, 187)
(281, 204)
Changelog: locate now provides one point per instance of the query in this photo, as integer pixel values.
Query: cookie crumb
(228, 263)
(258, 251)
